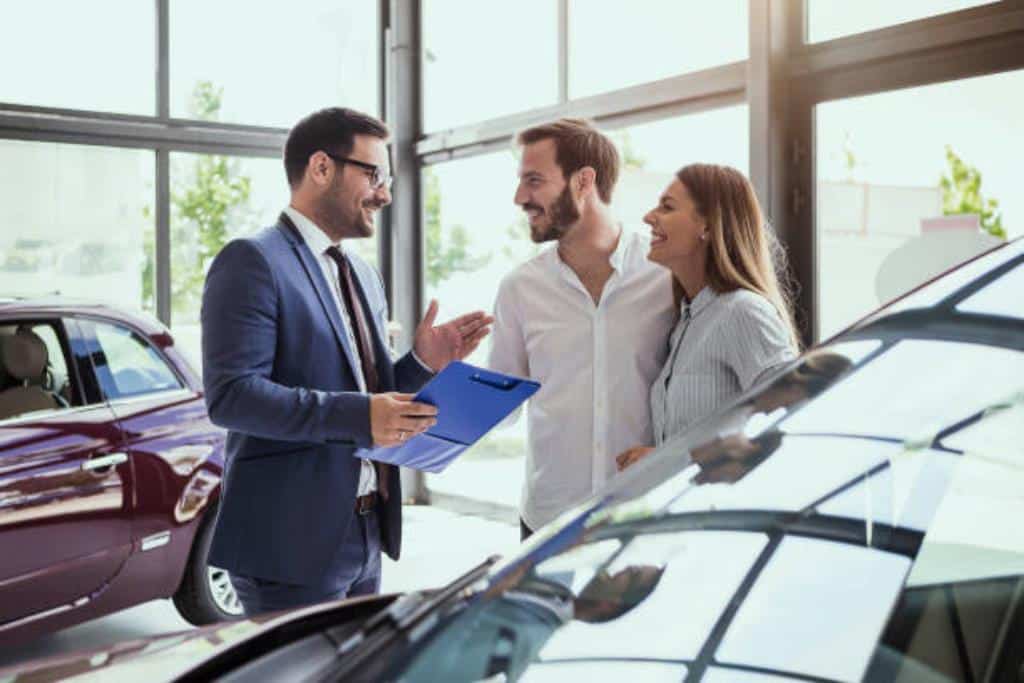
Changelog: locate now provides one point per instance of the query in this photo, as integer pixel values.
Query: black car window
(948, 284)
(127, 365)
(653, 598)
(34, 370)
(905, 491)
(913, 391)
(961, 614)
(1004, 297)
(788, 621)
(801, 471)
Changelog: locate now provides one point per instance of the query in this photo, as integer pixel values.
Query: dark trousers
(359, 574)
(524, 531)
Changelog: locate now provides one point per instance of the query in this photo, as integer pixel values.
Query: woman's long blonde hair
(743, 253)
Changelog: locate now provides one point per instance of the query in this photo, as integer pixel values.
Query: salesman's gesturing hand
(395, 417)
(454, 340)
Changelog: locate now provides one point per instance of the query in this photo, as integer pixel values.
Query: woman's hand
(628, 457)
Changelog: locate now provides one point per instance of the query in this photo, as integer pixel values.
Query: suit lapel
(322, 289)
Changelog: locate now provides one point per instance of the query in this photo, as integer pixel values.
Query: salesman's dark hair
(331, 130)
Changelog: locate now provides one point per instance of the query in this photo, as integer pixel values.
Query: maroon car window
(33, 369)
(134, 368)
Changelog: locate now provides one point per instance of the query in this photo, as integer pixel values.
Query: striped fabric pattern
(720, 346)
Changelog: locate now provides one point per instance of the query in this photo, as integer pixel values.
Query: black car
(856, 516)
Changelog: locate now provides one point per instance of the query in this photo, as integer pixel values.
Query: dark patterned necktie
(357, 319)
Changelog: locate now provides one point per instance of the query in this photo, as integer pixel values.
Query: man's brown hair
(577, 144)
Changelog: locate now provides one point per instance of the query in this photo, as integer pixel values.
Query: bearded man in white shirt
(588, 318)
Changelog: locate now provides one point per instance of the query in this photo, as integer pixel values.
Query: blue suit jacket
(278, 374)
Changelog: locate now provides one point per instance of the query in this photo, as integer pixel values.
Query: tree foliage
(208, 206)
(444, 257)
(961, 194)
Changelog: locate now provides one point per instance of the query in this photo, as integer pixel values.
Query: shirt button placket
(598, 468)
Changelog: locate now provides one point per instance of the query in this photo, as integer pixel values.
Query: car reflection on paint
(109, 470)
(855, 516)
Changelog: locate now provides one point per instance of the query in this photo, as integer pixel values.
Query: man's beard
(561, 216)
(336, 215)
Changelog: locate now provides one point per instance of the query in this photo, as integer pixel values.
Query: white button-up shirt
(595, 364)
(318, 242)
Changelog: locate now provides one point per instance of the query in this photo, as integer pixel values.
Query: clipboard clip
(500, 383)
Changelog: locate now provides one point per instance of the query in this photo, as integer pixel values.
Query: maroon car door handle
(103, 462)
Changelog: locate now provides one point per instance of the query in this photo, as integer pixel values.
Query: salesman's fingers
(431, 314)
(470, 326)
(416, 409)
(414, 425)
(467, 345)
(401, 397)
(476, 335)
(470, 321)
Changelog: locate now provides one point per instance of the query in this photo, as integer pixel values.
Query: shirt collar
(315, 238)
(618, 256)
(616, 259)
(701, 301)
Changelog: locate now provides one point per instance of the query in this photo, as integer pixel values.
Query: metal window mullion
(720, 81)
(405, 214)
(84, 130)
(931, 34)
(162, 216)
(994, 55)
(563, 51)
(163, 79)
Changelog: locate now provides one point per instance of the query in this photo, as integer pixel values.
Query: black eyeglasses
(377, 177)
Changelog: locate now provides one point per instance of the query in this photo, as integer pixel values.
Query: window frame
(59, 325)
(86, 327)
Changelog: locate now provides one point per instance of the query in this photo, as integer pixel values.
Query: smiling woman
(736, 322)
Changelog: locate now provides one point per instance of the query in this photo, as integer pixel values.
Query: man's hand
(395, 417)
(627, 458)
(454, 340)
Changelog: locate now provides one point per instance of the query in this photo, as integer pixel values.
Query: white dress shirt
(595, 363)
(318, 242)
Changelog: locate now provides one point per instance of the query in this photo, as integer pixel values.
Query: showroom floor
(438, 546)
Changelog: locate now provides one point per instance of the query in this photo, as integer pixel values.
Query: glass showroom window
(474, 236)
(828, 19)
(508, 63)
(891, 166)
(613, 45)
(653, 152)
(274, 64)
(67, 55)
(77, 220)
(213, 199)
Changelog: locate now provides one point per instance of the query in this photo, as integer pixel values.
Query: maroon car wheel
(206, 595)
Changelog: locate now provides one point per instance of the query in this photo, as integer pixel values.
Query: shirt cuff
(412, 352)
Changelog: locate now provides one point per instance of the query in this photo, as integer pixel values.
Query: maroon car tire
(206, 595)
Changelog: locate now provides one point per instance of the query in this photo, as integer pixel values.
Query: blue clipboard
(470, 402)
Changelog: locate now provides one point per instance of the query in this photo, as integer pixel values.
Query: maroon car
(110, 470)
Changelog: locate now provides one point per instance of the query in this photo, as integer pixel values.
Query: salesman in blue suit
(296, 366)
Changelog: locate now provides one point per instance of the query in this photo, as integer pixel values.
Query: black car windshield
(840, 521)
